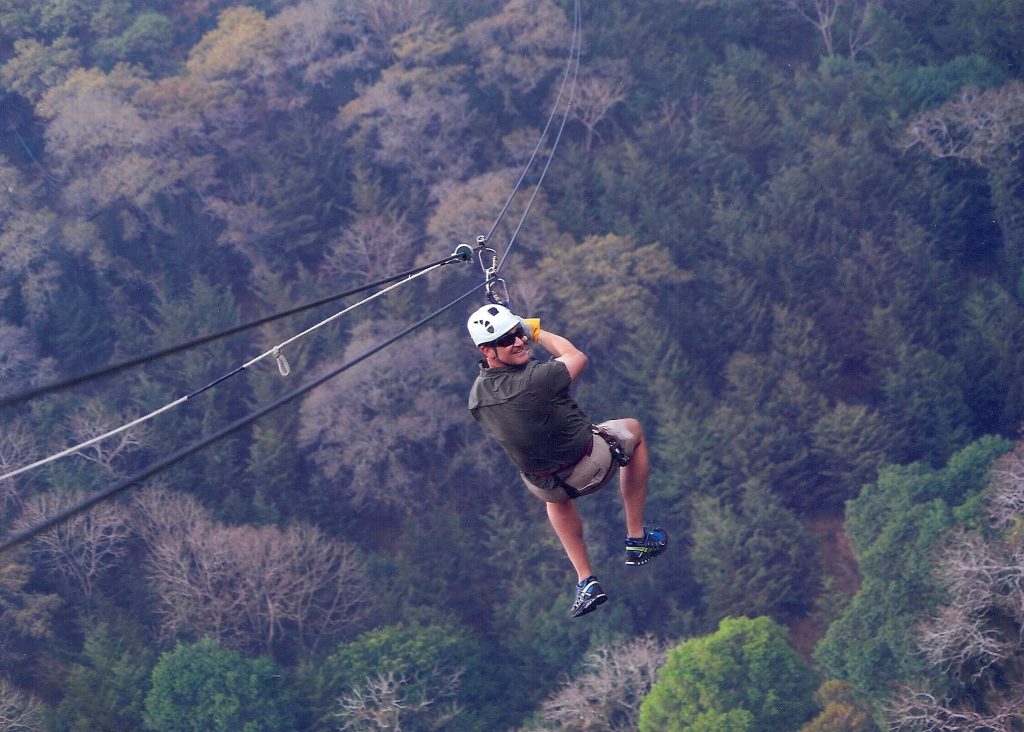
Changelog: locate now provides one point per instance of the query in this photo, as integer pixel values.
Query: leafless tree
(371, 248)
(920, 711)
(85, 546)
(825, 16)
(17, 446)
(597, 92)
(673, 116)
(93, 420)
(606, 696)
(976, 633)
(819, 13)
(195, 583)
(20, 363)
(18, 711)
(160, 513)
(376, 428)
(247, 586)
(304, 42)
(863, 30)
(469, 207)
(985, 575)
(105, 146)
(1006, 488)
(973, 569)
(974, 126)
(985, 583)
(27, 230)
(244, 207)
(299, 578)
(382, 703)
(15, 355)
(964, 642)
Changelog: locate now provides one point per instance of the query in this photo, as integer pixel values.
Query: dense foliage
(789, 235)
(744, 676)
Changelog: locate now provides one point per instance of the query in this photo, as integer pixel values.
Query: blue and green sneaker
(588, 596)
(641, 551)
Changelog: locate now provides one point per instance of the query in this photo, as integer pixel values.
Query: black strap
(618, 454)
(573, 493)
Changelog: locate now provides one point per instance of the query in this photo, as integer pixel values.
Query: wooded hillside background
(789, 234)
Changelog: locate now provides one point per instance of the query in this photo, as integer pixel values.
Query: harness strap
(618, 454)
(573, 493)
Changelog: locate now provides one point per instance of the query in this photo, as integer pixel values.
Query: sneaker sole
(644, 560)
(594, 604)
(648, 555)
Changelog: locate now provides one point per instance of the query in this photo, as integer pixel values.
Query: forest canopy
(789, 235)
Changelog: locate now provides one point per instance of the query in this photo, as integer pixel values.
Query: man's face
(512, 349)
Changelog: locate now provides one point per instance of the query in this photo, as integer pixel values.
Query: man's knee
(633, 425)
(628, 430)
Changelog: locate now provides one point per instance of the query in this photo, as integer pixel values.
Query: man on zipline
(525, 405)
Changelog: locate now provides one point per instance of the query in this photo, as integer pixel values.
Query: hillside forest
(789, 235)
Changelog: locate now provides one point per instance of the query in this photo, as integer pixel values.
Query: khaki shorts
(591, 473)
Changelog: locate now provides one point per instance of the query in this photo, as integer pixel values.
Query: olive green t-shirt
(529, 411)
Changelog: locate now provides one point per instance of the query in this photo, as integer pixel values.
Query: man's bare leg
(633, 483)
(569, 526)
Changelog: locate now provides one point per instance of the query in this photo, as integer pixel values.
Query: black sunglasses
(509, 338)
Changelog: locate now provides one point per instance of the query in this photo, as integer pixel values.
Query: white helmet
(490, 322)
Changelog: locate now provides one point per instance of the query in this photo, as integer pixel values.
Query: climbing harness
(618, 454)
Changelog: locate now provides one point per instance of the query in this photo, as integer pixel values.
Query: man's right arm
(563, 350)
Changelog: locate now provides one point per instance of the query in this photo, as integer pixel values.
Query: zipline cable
(12, 399)
(574, 49)
(460, 255)
(577, 47)
(202, 340)
(119, 487)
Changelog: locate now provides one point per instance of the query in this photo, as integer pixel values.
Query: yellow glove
(532, 327)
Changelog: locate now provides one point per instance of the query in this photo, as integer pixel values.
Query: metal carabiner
(495, 297)
(495, 286)
(282, 363)
(488, 270)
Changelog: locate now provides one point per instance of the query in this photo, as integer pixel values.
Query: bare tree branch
(382, 704)
(371, 248)
(607, 696)
(920, 711)
(974, 126)
(819, 13)
(247, 587)
(85, 546)
(17, 445)
(1006, 489)
(92, 420)
(597, 92)
(19, 712)
(863, 30)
